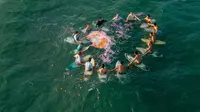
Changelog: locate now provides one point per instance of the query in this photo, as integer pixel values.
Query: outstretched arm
(148, 49)
(137, 18)
(112, 70)
(131, 62)
(151, 25)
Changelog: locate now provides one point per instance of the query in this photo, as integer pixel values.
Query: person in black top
(100, 22)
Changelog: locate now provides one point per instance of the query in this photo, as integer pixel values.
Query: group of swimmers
(121, 69)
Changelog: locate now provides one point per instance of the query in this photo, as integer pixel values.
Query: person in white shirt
(79, 58)
(88, 65)
(132, 17)
(76, 37)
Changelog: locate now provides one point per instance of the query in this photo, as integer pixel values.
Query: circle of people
(121, 69)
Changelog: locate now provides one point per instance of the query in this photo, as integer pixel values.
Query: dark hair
(90, 59)
(151, 33)
(81, 43)
(76, 32)
(102, 65)
(100, 17)
(79, 52)
(136, 52)
(155, 24)
(122, 62)
(148, 15)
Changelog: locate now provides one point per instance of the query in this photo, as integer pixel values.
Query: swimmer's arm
(146, 51)
(137, 18)
(127, 18)
(112, 70)
(131, 62)
(87, 28)
(114, 18)
(151, 25)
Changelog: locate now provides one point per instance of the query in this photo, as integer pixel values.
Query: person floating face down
(154, 27)
(102, 70)
(132, 17)
(147, 19)
(137, 59)
(100, 22)
(120, 69)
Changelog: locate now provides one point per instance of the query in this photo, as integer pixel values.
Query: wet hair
(102, 65)
(122, 62)
(151, 33)
(100, 17)
(90, 59)
(79, 52)
(81, 43)
(76, 32)
(136, 52)
(155, 24)
(148, 15)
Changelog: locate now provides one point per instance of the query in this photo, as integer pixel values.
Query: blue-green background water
(33, 56)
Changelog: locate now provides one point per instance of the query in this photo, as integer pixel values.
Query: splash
(102, 41)
(99, 39)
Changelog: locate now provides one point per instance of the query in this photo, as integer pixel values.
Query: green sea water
(33, 57)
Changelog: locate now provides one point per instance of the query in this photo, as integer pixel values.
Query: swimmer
(154, 27)
(137, 59)
(88, 28)
(152, 37)
(149, 48)
(147, 19)
(116, 19)
(80, 47)
(102, 70)
(79, 58)
(76, 37)
(100, 22)
(132, 17)
(88, 67)
(119, 69)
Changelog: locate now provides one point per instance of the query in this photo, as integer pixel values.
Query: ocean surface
(34, 55)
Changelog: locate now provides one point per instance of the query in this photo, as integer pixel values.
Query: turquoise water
(33, 56)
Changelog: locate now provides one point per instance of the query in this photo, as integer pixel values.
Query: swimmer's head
(148, 15)
(136, 52)
(122, 62)
(76, 32)
(100, 18)
(155, 24)
(131, 12)
(90, 59)
(151, 34)
(102, 65)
